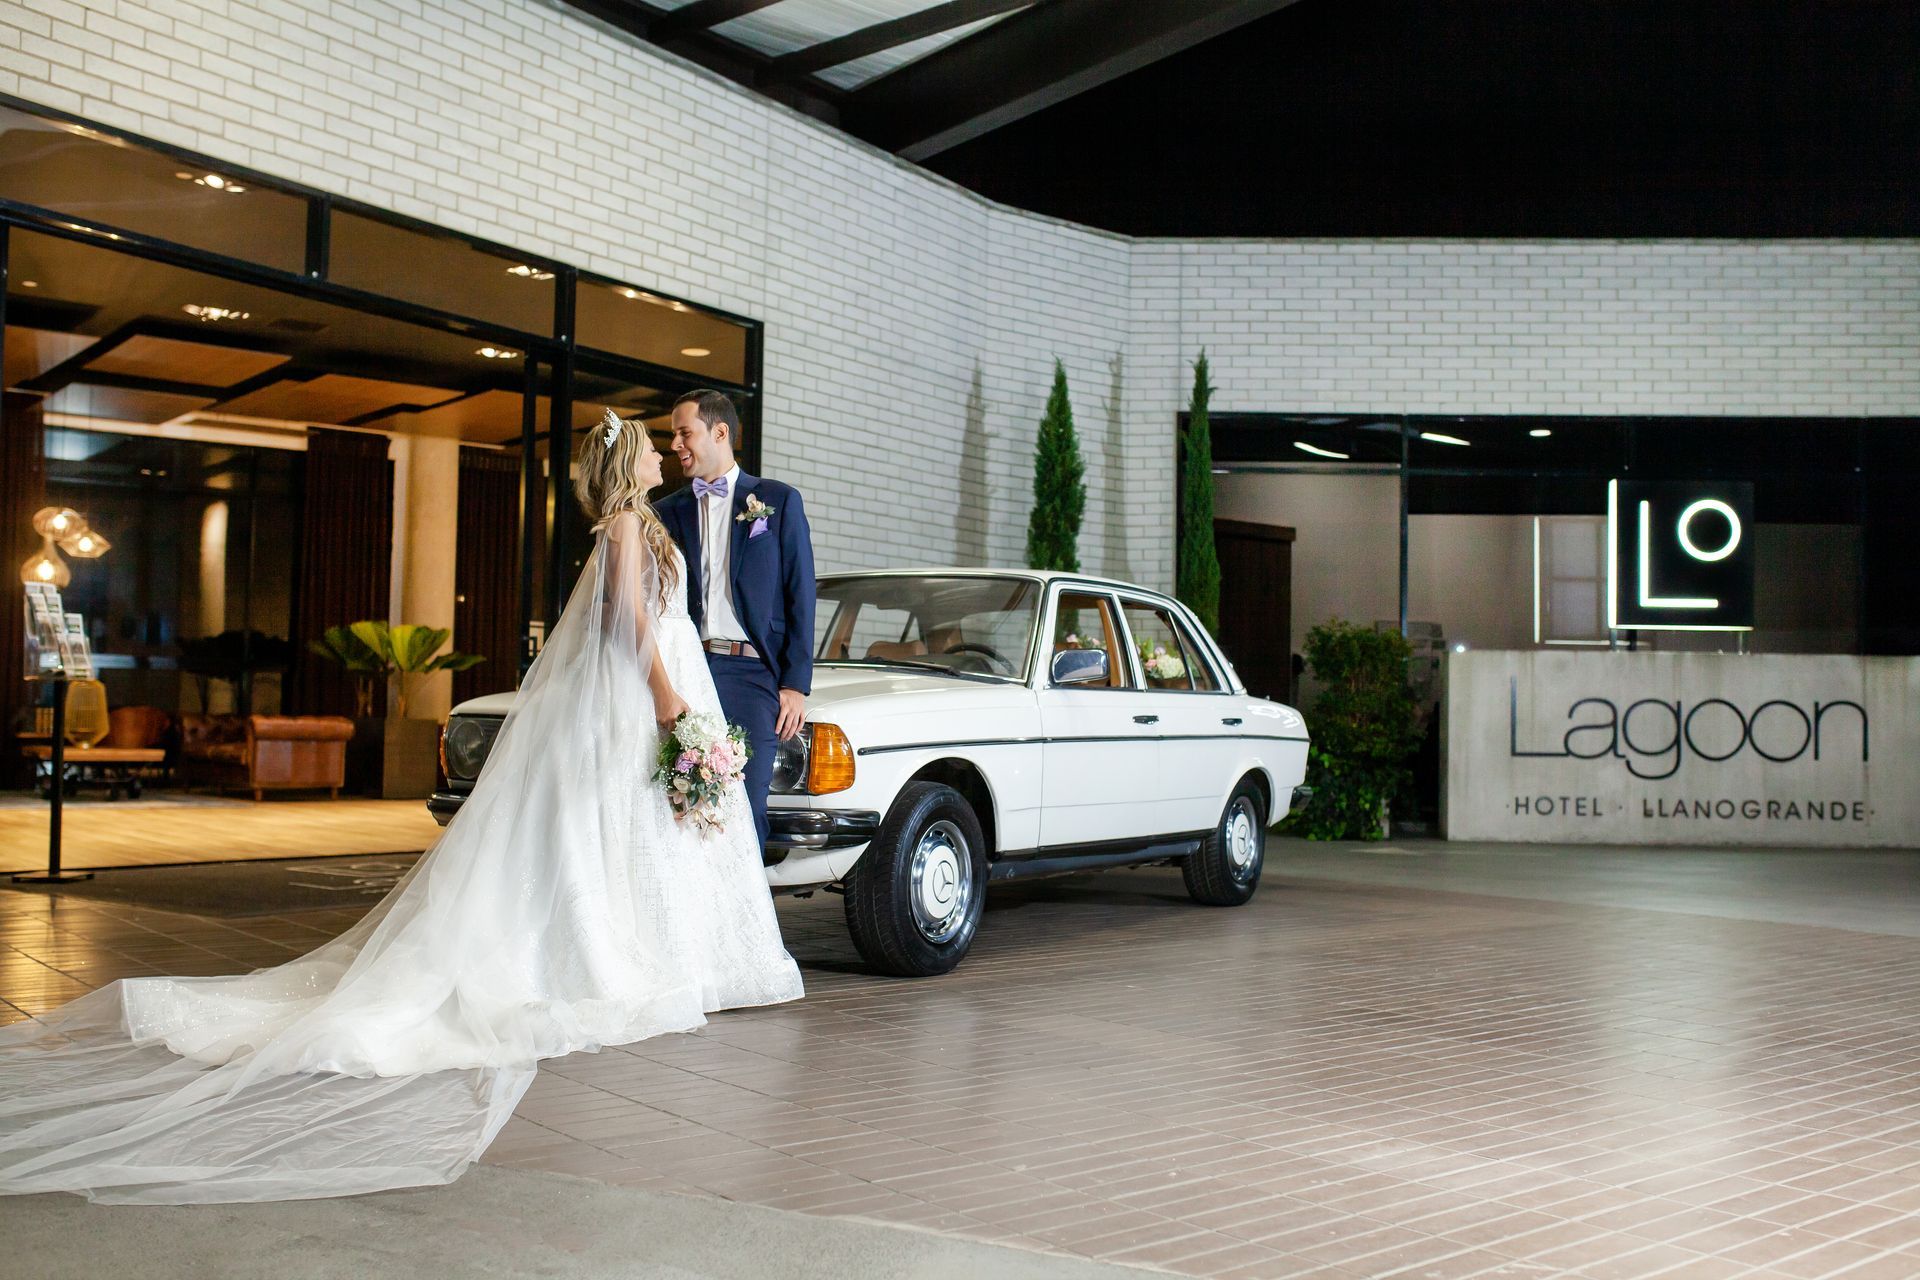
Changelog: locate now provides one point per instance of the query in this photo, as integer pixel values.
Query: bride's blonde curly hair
(606, 481)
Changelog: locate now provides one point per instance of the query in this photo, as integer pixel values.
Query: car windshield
(969, 626)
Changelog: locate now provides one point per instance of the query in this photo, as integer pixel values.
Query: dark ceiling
(1393, 117)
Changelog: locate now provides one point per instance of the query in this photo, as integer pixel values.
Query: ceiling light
(1540, 433)
(1318, 452)
(29, 284)
(526, 272)
(695, 352)
(1437, 438)
(213, 180)
(628, 293)
(497, 353)
(214, 313)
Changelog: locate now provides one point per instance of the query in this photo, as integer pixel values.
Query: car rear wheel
(914, 899)
(1226, 869)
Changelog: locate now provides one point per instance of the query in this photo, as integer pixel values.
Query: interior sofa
(264, 753)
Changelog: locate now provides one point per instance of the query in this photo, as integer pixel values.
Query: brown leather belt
(732, 648)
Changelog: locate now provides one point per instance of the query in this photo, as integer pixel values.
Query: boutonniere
(756, 513)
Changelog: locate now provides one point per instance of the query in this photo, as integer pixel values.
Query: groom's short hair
(714, 408)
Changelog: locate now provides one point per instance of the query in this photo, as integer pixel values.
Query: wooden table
(115, 764)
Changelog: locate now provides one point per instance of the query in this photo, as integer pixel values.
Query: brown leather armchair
(262, 753)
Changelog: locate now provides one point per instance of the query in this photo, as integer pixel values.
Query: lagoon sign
(1675, 748)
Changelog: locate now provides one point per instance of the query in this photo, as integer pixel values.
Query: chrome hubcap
(1243, 836)
(941, 885)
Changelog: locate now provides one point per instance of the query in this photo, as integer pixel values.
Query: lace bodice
(676, 606)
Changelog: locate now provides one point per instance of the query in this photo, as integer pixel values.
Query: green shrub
(1365, 726)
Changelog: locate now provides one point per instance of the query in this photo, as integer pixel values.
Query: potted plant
(395, 756)
(1366, 726)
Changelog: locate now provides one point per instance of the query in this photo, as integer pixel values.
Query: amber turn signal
(830, 763)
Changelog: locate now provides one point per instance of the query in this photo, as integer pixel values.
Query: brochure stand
(47, 663)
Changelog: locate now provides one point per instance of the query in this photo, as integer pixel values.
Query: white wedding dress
(563, 909)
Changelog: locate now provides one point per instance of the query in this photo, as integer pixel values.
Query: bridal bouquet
(699, 760)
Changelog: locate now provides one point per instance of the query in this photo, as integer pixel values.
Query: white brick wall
(912, 327)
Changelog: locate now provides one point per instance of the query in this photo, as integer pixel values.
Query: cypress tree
(1197, 580)
(1059, 486)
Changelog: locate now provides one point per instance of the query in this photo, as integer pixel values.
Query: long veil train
(392, 1055)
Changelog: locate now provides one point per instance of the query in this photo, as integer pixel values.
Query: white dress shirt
(719, 622)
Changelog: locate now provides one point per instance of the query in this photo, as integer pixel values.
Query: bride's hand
(668, 709)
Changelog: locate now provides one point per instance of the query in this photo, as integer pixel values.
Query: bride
(563, 909)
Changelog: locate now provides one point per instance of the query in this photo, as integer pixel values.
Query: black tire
(1226, 870)
(927, 824)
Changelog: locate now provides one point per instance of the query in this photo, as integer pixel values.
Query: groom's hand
(793, 712)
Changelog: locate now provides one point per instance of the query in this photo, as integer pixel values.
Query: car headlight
(466, 744)
(790, 762)
(817, 761)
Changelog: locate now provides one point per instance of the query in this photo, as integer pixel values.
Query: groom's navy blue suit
(773, 593)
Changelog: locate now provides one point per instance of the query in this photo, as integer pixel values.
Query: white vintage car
(968, 726)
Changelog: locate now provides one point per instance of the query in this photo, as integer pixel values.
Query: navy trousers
(751, 700)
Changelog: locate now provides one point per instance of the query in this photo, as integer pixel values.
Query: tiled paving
(1341, 1080)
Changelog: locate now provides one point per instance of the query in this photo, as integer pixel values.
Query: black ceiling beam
(1054, 50)
(889, 34)
(728, 58)
(701, 15)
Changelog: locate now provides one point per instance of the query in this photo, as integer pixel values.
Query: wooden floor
(165, 831)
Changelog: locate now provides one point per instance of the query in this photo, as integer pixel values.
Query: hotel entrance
(282, 413)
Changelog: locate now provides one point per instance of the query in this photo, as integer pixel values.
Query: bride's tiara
(611, 421)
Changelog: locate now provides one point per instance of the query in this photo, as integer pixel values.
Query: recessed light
(628, 293)
(1318, 452)
(29, 284)
(1437, 438)
(526, 272)
(214, 313)
(216, 181)
(1540, 433)
(695, 352)
(497, 353)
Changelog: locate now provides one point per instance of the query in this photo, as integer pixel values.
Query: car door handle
(1230, 720)
(1146, 719)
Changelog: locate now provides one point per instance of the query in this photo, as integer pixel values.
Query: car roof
(1031, 575)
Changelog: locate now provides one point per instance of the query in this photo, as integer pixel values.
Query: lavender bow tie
(718, 488)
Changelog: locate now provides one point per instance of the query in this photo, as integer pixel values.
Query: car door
(1196, 726)
(1101, 751)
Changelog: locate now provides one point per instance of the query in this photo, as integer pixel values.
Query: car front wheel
(1226, 869)
(914, 899)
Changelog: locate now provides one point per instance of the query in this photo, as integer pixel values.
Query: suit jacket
(773, 586)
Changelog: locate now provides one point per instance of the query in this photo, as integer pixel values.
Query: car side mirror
(1080, 666)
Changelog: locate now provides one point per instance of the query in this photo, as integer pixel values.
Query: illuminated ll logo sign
(1687, 554)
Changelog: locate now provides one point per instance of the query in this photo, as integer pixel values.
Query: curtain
(343, 566)
(23, 491)
(486, 572)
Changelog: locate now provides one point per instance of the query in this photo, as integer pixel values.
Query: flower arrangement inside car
(1162, 667)
(699, 760)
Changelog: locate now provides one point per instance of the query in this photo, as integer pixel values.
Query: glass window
(439, 270)
(1169, 655)
(967, 625)
(189, 610)
(72, 169)
(644, 326)
(1084, 621)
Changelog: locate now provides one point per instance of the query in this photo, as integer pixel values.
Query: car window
(1169, 654)
(1087, 622)
(971, 625)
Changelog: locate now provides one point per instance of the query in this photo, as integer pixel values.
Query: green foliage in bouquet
(1365, 726)
(1198, 575)
(1059, 486)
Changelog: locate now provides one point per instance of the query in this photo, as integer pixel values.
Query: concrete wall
(1677, 748)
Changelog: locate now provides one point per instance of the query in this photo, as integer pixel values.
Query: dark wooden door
(1256, 604)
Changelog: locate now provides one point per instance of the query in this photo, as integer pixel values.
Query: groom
(749, 582)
